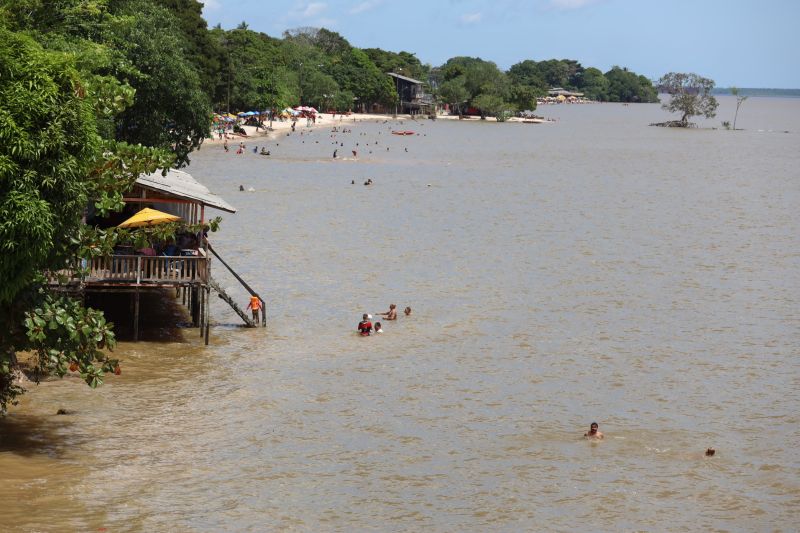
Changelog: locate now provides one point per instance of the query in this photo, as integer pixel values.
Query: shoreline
(326, 120)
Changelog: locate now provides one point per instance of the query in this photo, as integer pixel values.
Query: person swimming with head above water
(391, 314)
(594, 432)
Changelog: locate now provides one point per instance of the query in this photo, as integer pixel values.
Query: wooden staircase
(225, 296)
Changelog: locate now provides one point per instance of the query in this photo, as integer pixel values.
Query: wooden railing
(144, 269)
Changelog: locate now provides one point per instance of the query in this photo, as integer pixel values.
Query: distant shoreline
(754, 91)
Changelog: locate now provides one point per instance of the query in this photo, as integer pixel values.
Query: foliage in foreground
(52, 162)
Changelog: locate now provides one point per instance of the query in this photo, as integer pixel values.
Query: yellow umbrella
(148, 217)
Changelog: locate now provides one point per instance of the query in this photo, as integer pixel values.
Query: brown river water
(593, 269)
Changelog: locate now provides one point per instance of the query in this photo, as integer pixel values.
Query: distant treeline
(176, 70)
(777, 93)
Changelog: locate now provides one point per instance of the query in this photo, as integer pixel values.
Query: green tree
(466, 78)
(626, 86)
(690, 95)
(527, 74)
(404, 63)
(126, 43)
(52, 162)
(594, 85)
(200, 47)
(555, 73)
(454, 93)
(492, 105)
(356, 73)
(171, 110)
(319, 88)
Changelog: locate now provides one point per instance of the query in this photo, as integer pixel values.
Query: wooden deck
(122, 270)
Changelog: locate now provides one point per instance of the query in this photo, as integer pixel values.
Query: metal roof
(398, 76)
(183, 185)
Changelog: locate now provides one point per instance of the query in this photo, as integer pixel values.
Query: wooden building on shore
(182, 269)
(412, 98)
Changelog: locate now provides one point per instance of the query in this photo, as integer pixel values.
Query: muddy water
(593, 269)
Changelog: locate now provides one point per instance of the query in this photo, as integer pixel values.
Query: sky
(745, 43)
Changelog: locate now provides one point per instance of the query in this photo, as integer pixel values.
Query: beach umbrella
(148, 217)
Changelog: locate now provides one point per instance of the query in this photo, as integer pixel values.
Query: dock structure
(185, 269)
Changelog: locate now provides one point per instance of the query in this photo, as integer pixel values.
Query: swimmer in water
(710, 452)
(391, 314)
(594, 433)
(407, 311)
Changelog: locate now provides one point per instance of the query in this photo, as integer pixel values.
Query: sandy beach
(327, 120)
(324, 120)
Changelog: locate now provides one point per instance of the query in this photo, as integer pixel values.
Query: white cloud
(313, 9)
(365, 6)
(471, 18)
(211, 5)
(570, 4)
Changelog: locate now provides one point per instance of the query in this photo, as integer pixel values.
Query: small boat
(407, 132)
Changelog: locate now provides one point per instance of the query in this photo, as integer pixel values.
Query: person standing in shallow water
(365, 326)
(594, 432)
(255, 305)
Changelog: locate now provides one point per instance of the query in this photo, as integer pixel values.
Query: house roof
(405, 78)
(558, 91)
(182, 185)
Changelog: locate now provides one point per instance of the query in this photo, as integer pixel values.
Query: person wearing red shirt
(365, 326)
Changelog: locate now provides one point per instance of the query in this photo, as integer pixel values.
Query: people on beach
(391, 314)
(710, 452)
(255, 306)
(335, 152)
(365, 326)
(407, 311)
(241, 187)
(594, 432)
(378, 327)
(368, 182)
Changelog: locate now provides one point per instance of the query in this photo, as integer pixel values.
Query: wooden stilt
(208, 312)
(183, 295)
(195, 308)
(201, 309)
(136, 315)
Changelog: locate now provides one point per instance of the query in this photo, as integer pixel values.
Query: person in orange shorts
(255, 305)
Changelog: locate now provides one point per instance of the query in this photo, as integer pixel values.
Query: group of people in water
(365, 327)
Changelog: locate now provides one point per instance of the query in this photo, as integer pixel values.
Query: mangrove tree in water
(690, 95)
